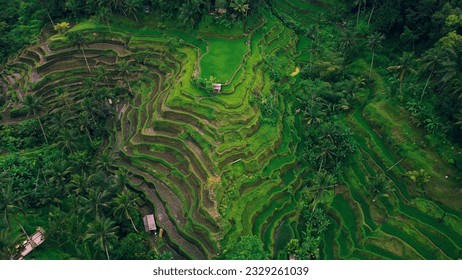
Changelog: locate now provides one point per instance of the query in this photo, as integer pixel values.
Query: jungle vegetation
(337, 132)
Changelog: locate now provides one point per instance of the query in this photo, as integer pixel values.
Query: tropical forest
(230, 129)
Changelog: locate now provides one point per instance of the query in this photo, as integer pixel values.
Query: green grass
(223, 58)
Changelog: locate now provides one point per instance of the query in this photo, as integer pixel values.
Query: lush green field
(216, 167)
(222, 59)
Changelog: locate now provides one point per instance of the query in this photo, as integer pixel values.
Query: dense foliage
(56, 164)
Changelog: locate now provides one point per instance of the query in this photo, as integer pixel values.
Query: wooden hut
(149, 223)
(30, 244)
(216, 88)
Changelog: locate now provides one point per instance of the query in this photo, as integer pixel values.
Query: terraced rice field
(408, 224)
(207, 165)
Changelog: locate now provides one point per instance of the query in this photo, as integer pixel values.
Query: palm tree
(374, 42)
(58, 173)
(79, 184)
(403, 68)
(11, 204)
(104, 163)
(189, 11)
(60, 120)
(321, 182)
(67, 140)
(102, 74)
(121, 179)
(102, 232)
(372, 11)
(78, 41)
(104, 14)
(419, 177)
(132, 7)
(84, 122)
(34, 105)
(123, 205)
(379, 186)
(117, 4)
(125, 69)
(348, 42)
(240, 6)
(431, 60)
(7, 244)
(97, 200)
(359, 3)
(312, 32)
(313, 113)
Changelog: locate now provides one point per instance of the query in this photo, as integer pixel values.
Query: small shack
(149, 223)
(216, 88)
(30, 244)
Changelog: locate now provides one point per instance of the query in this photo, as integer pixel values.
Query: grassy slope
(245, 176)
(222, 58)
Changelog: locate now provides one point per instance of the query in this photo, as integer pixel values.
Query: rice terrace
(231, 129)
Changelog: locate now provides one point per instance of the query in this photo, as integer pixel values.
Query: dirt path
(296, 72)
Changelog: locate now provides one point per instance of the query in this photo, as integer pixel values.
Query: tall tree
(67, 140)
(7, 244)
(248, 248)
(321, 182)
(374, 42)
(404, 67)
(96, 201)
(419, 177)
(240, 6)
(124, 67)
(359, 4)
(132, 7)
(431, 61)
(34, 105)
(103, 14)
(78, 40)
(103, 233)
(190, 11)
(124, 204)
(379, 187)
(11, 204)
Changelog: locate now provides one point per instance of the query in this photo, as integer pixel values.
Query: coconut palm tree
(190, 11)
(374, 42)
(84, 122)
(7, 244)
(104, 163)
(96, 201)
(67, 141)
(79, 184)
(34, 105)
(125, 69)
(123, 205)
(403, 68)
(379, 187)
(121, 179)
(11, 204)
(132, 7)
(58, 173)
(102, 74)
(431, 60)
(419, 177)
(60, 120)
(321, 181)
(240, 6)
(359, 4)
(313, 112)
(103, 233)
(78, 40)
(103, 15)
